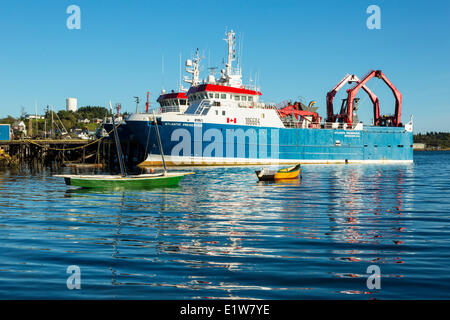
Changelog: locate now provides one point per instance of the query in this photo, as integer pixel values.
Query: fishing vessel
(225, 123)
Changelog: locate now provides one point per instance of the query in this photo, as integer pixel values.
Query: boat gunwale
(123, 178)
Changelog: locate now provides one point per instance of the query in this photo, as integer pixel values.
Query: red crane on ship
(331, 116)
(391, 120)
(346, 113)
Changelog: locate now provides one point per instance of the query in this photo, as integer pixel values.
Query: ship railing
(342, 126)
(289, 122)
(256, 105)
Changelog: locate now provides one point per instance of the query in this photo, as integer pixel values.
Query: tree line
(69, 119)
(434, 139)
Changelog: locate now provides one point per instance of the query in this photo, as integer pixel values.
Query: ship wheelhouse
(212, 95)
(173, 102)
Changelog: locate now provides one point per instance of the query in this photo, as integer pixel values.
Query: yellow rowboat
(282, 174)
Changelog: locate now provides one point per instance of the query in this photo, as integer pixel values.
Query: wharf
(77, 153)
(45, 142)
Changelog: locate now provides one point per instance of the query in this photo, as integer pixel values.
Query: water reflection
(221, 234)
(365, 210)
(358, 199)
(192, 228)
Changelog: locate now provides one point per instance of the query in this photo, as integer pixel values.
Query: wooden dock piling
(84, 153)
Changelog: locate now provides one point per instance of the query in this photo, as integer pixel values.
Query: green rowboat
(169, 179)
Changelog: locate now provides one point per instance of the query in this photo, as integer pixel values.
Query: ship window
(243, 98)
(400, 146)
(223, 112)
(223, 96)
(205, 96)
(211, 95)
(236, 98)
(217, 112)
(183, 102)
(250, 98)
(262, 115)
(217, 96)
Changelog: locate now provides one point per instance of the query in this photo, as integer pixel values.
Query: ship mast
(231, 41)
(193, 67)
(229, 76)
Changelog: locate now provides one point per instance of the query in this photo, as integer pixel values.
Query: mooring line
(70, 149)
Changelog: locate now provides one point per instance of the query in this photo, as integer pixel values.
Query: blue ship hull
(215, 144)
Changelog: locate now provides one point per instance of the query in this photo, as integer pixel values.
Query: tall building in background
(71, 104)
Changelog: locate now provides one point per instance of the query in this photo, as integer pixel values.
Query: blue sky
(299, 49)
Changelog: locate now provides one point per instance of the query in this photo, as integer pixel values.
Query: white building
(32, 116)
(419, 146)
(71, 104)
(20, 127)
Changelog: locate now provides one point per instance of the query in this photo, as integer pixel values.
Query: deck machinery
(346, 114)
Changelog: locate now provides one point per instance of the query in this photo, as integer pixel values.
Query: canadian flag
(231, 120)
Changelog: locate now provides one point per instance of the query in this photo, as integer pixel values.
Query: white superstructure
(222, 101)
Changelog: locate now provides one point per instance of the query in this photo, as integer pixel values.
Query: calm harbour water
(223, 235)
